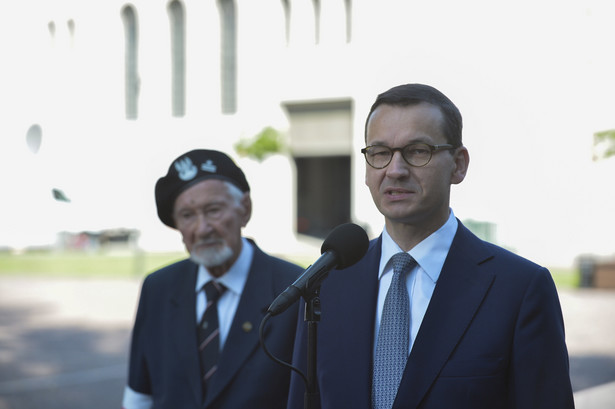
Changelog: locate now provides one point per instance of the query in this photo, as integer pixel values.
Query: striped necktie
(209, 333)
(393, 338)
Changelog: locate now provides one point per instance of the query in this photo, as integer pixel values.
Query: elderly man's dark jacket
(164, 360)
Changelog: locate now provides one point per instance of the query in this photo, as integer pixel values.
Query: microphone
(343, 247)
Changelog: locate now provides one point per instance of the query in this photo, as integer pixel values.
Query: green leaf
(604, 144)
(267, 142)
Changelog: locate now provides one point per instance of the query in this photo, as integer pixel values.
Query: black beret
(190, 168)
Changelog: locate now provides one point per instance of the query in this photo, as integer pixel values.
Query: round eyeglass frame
(431, 148)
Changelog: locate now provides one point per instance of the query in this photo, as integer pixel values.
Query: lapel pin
(247, 326)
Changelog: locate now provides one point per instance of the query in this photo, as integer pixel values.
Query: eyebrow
(201, 205)
(419, 140)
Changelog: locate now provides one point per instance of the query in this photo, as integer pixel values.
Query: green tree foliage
(267, 142)
(604, 144)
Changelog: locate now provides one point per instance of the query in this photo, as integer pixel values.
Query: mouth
(396, 192)
(208, 243)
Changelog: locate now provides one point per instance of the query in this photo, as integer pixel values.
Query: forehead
(421, 122)
(203, 192)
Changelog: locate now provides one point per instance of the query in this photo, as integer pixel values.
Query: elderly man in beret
(195, 341)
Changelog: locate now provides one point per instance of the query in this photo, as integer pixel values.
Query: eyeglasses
(415, 154)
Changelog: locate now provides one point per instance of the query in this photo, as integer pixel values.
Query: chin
(398, 215)
(211, 256)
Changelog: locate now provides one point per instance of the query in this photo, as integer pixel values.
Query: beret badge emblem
(185, 169)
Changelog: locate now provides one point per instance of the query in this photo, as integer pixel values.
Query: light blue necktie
(393, 338)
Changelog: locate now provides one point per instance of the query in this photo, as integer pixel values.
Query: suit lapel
(349, 298)
(183, 316)
(457, 296)
(243, 337)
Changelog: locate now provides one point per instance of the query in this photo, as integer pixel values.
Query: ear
(461, 159)
(246, 205)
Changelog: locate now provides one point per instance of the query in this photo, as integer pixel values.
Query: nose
(203, 227)
(397, 167)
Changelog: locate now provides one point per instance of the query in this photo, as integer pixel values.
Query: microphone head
(349, 242)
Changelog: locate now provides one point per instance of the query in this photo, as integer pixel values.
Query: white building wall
(533, 80)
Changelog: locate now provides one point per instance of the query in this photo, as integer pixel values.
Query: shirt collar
(429, 254)
(235, 278)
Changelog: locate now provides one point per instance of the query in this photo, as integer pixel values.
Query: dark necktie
(209, 333)
(393, 337)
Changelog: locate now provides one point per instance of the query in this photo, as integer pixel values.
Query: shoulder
(276, 265)
(468, 248)
(275, 270)
(511, 258)
(170, 274)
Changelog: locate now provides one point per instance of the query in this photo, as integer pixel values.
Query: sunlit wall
(533, 79)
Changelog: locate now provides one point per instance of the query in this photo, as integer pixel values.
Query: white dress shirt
(430, 255)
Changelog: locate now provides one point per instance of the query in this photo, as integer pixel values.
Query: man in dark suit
(193, 348)
(432, 317)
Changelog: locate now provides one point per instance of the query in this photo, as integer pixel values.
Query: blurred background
(98, 97)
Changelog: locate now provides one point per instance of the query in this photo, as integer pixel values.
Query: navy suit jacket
(164, 360)
(492, 336)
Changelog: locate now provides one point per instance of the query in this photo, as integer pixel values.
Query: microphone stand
(312, 317)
